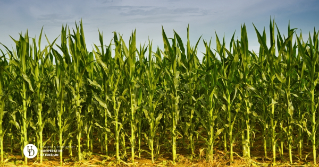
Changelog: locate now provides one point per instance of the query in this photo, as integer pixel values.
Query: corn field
(161, 101)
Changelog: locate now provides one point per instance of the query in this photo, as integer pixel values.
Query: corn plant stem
(300, 135)
(174, 116)
(300, 143)
(191, 138)
(313, 123)
(60, 139)
(116, 108)
(152, 140)
(264, 132)
(247, 142)
(273, 130)
(140, 111)
(123, 143)
(105, 117)
(225, 137)
(139, 134)
(151, 85)
(102, 142)
(105, 135)
(225, 141)
(230, 132)
(54, 139)
(248, 139)
(281, 129)
(11, 144)
(150, 103)
(289, 112)
(79, 131)
(281, 138)
(157, 147)
(92, 140)
(243, 140)
(289, 137)
(60, 117)
(211, 137)
(191, 128)
(132, 124)
(211, 142)
(174, 136)
(89, 138)
(88, 127)
(117, 137)
(24, 94)
(70, 148)
(78, 85)
(25, 139)
(300, 132)
(40, 132)
(245, 71)
(211, 108)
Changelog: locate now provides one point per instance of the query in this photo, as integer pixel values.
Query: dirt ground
(98, 158)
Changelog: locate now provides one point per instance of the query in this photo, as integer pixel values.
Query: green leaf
(27, 79)
(104, 128)
(101, 102)
(159, 117)
(218, 132)
(94, 83)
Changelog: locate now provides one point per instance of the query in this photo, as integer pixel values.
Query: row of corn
(166, 100)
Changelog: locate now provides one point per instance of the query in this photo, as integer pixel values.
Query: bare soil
(221, 158)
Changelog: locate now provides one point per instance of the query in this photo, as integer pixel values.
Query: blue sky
(205, 17)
